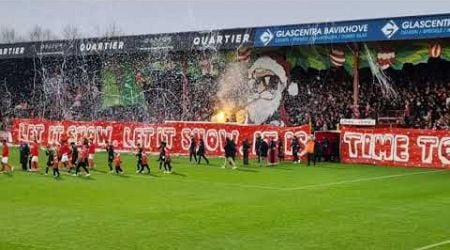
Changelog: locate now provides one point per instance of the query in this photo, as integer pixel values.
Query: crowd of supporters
(324, 97)
(422, 101)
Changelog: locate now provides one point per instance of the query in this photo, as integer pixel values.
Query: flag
(111, 96)
(131, 92)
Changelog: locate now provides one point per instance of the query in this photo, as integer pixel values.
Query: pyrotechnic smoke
(234, 88)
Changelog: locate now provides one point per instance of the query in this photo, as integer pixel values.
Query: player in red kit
(5, 158)
(82, 161)
(118, 164)
(64, 138)
(64, 153)
(91, 153)
(34, 155)
(144, 163)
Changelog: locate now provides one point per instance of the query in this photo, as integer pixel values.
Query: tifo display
(381, 85)
(330, 135)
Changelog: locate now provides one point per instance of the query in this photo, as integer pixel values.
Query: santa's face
(266, 97)
(264, 80)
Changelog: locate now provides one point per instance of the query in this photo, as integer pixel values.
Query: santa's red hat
(280, 67)
(276, 64)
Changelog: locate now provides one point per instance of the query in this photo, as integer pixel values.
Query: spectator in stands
(73, 89)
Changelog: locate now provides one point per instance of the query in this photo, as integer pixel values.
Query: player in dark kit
(258, 145)
(55, 166)
(139, 153)
(264, 150)
(144, 164)
(24, 155)
(272, 160)
(295, 149)
(230, 153)
(201, 151)
(74, 157)
(162, 154)
(110, 151)
(245, 151)
(192, 148)
(50, 153)
(167, 161)
(280, 150)
(85, 141)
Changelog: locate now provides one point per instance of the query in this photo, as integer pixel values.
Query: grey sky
(142, 17)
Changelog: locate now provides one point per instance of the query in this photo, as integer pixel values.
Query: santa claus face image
(268, 79)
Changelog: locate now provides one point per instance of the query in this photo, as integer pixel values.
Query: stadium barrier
(126, 135)
(396, 147)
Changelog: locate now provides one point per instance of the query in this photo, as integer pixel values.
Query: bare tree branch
(68, 32)
(9, 35)
(40, 34)
(71, 32)
(110, 31)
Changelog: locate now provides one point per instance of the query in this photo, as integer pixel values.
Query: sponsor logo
(157, 43)
(266, 37)
(101, 46)
(51, 49)
(427, 23)
(52, 46)
(360, 122)
(12, 51)
(389, 29)
(216, 39)
(292, 33)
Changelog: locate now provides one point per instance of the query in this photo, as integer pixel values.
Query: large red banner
(126, 135)
(396, 147)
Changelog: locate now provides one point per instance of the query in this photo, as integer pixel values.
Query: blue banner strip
(386, 29)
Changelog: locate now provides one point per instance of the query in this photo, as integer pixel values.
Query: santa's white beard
(262, 109)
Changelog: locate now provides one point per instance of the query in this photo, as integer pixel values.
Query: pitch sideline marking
(362, 180)
(308, 186)
(445, 242)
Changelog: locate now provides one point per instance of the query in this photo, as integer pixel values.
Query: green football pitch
(330, 206)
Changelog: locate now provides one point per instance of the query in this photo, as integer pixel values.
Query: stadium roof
(382, 29)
